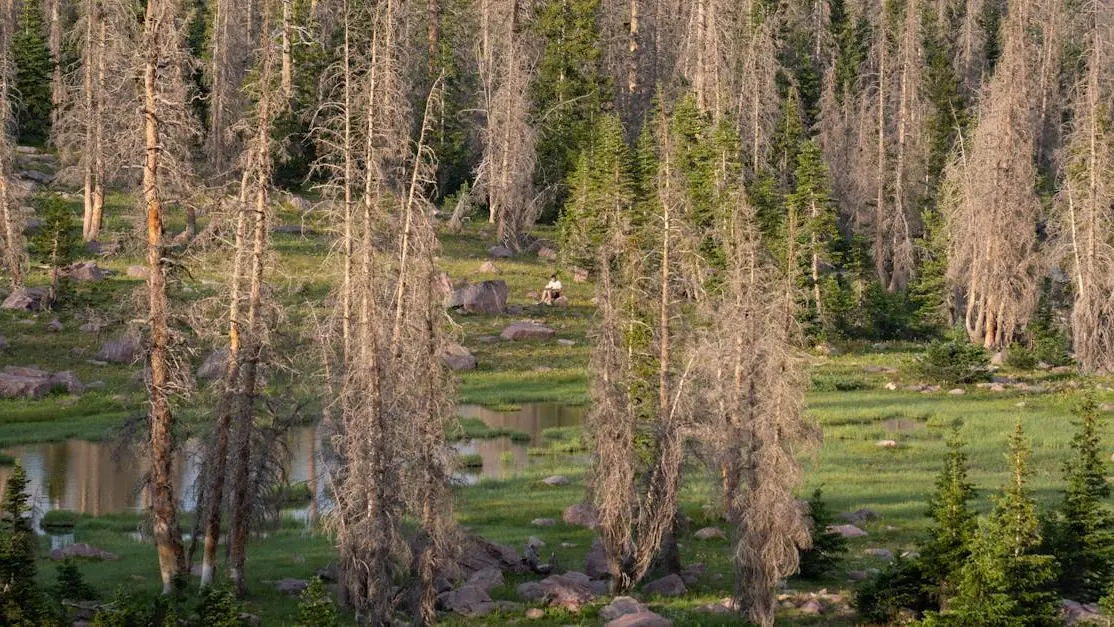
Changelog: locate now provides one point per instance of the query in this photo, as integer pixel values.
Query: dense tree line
(743, 180)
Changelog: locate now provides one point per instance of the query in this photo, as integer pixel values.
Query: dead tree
(753, 378)
(10, 222)
(992, 207)
(506, 70)
(643, 378)
(230, 48)
(1087, 196)
(159, 27)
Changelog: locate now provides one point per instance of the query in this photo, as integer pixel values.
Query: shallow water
(93, 478)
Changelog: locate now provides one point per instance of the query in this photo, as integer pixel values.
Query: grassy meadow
(849, 400)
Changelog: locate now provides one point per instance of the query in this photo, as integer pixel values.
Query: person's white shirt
(554, 284)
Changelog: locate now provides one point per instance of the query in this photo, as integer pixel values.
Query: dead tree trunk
(164, 506)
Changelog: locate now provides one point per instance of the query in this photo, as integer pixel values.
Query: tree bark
(164, 506)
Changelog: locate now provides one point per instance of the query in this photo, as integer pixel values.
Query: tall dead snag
(11, 228)
(230, 47)
(507, 67)
(236, 410)
(396, 403)
(753, 377)
(992, 207)
(756, 108)
(159, 27)
(1087, 196)
(644, 380)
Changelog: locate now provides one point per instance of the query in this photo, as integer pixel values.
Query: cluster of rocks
(32, 383)
(819, 603)
(26, 299)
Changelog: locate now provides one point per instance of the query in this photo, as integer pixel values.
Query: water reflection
(88, 477)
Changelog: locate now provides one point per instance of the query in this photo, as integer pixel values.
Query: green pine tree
(813, 216)
(1007, 581)
(601, 179)
(57, 239)
(21, 602)
(568, 90)
(953, 522)
(828, 547)
(33, 68)
(1081, 535)
(316, 607)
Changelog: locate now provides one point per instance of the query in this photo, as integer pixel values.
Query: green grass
(475, 429)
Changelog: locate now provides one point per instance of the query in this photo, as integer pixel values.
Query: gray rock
(90, 327)
(530, 591)
(859, 516)
(123, 350)
(68, 380)
(545, 252)
(291, 586)
(692, 573)
(82, 550)
(847, 531)
(640, 619)
(811, 607)
(526, 330)
(25, 299)
(595, 563)
(31, 388)
(570, 591)
(668, 586)
(486, 579)
(543, 522)
(500, 252)
(479, 553)
(488, 297)
(621, 606)
(957, 392)
(582, 515)
(710, 533)
(1075, 613)
(41, 178)
(214, 366)
(85, 271)
(489, 267)
(458, 357)
(556, 480)
(54, 326)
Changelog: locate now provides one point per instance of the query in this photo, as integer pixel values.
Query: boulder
(26, 299)
(500, 252)
(67, 380)
(847, 531)
(579, 275)
(811, 607)
(668, 586)
(123, 350)
(644, 618)
(595, 564)
(556, 480)
(82, 550)
(582, 515)
(886, 444)
(486, 579)
(479, 553)
(530, 591)
(85, 271)
(526, 330)
(136, 272)
(621, 606)
(561, 301)
(90, 327)
(859, 516)
(458, 357)
(466, 601)
(545, 252)
(570, 591)
(692, 573)
(290, 586)
(957, 392)
(54, 326)
(214, 366)
(41, 178)
(32, 388)
(488, 297)
(535, 613)
(710, 533)
(543, 522)
(489, 267)
(1075, 613)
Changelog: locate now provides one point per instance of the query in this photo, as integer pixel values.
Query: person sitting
(552, 290)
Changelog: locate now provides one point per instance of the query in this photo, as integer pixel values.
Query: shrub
(130, 610)
(218, 607)
(59, 519)
(828, 548)
(471, 460)
(316, 607)
(70, 585)
(1020, 357)
(898, 589)
(952, 362)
